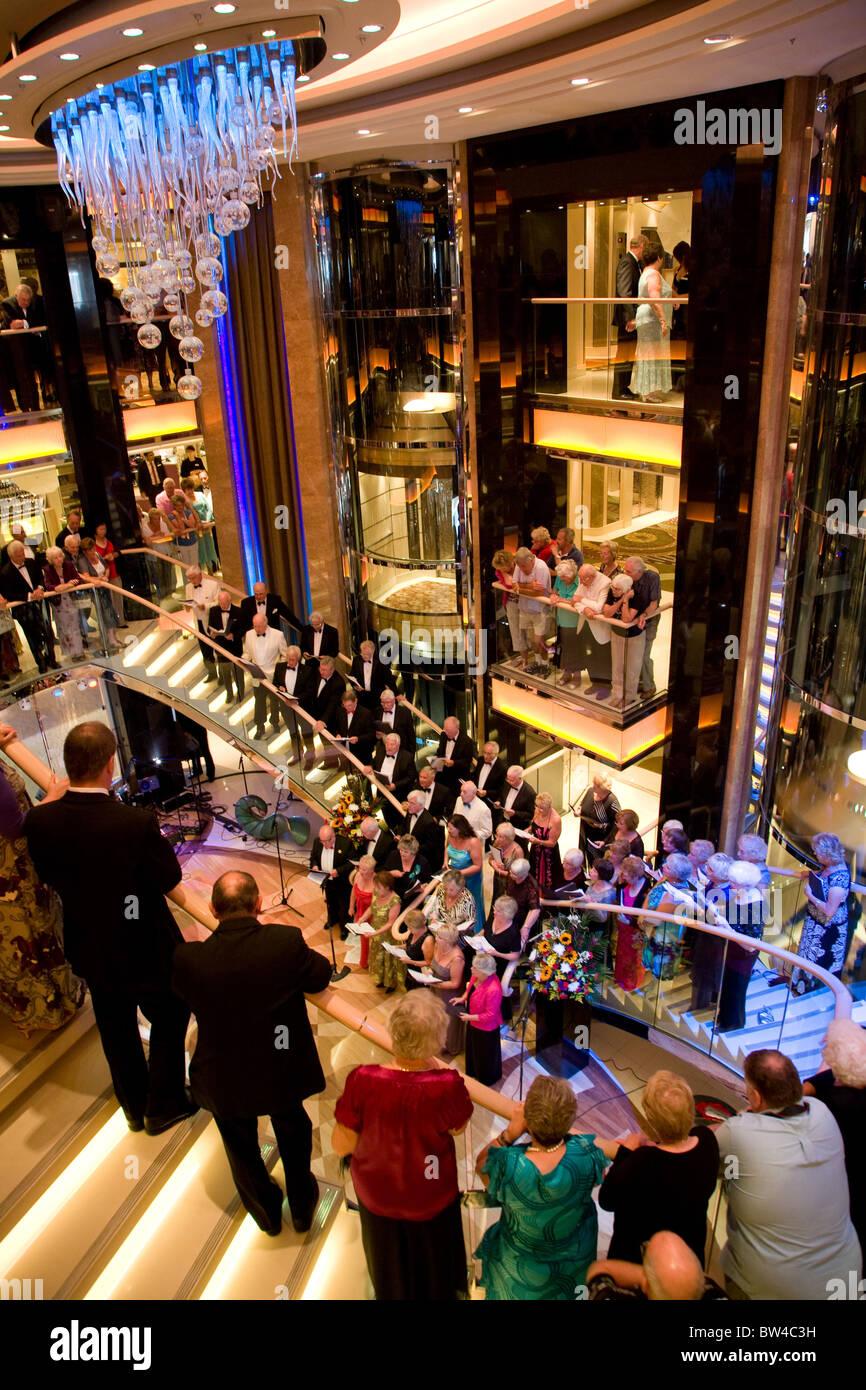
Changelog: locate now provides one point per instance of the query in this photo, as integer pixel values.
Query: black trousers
(337, 891)
(37, 634)
(265, 701)
(208, 655)
(152, 1087)
(230, 674)
(262, 1197)
(735, 983)
(416, 1261)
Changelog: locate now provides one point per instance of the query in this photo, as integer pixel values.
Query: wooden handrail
(596, 617)
(419, 714)
(612, 299)
(170, 560)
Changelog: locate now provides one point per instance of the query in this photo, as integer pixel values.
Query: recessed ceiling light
(224, 9)
(4, 96)
(363, 132)
(371, 28)
(132, 33)
(718, 38)
(100, 84)
(4, 127)
(579, 81)
(145, 67)
(464, 110)
(69, 57)
(28, 77)
(304, 77)
(340, 57)
(269, 33)
(200, 47)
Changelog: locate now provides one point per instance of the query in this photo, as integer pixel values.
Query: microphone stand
(283, 896)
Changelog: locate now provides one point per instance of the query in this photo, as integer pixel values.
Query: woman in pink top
(483, 999)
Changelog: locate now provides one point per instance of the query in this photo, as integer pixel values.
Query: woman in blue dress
(207, 556)
(546, 1237)
(463, 852)
(651, 376)
(664, 939)
(825, 930)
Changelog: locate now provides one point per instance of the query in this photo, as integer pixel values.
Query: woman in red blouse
(398, 1121)
(108, 556)
(483, 999)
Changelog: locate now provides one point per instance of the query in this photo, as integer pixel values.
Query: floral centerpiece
(352, 808)
(564, 963)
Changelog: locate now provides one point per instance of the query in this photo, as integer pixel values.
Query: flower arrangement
(563, 964)
(352, 808)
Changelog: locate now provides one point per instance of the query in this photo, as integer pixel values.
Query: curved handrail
(425, 718)
(842, 998)
(555, 603)
(269, 685)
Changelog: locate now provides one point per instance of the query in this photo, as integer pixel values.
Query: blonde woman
(607, 559)
(545, 863)
(361, 899)
(503, 567)
(385, 970)
(598, 812)
(417, 941)
(447, 965)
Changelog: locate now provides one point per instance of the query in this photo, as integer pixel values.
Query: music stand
(281, 898)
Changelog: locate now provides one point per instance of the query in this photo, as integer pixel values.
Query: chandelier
(166, 163)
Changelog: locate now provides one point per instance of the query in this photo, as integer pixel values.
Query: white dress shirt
(265, 650)
(449, 748)
(204, 596)
(477, 815)
(511, 797)
(368, 674)
(328, 858)
(483, 774)
(388, 717)
(290, 679)
(386, 771)
(317, 641)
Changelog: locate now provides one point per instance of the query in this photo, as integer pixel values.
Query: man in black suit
(295, 678)
(121, 943)
(319, 638)
(628, 274)
(149, 476)
(17, 313)
(488, 774)
(393, 717)
(21, 583)
(332, 854)
(273, 607)
(326, 690)
(426, 829)
(517, 806)
(255, 1053)
(377, 841)
(458, 752)
(224, 626)
(370, 676)
(72, 528)
(396, 771)
(354, 725)
(438, 800)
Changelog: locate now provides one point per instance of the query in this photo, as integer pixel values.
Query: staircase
(768, 667)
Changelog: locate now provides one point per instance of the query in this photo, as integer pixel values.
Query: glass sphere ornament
(249, 191)
(194, 145)
(182, 258)
(107, 263)
(142, 310)
(229, 178)
(208, 271)
(191, 348)
(275, 115)
(180, 326)
(263, 138)
(213, 201)
(259, 160)
(189, 387)
(151, 240)
(128, 297)
(150, 279)
(149, 335)
(215, 302)
(203, 317)
(171, 303)
(187, 282)
(220, 225)
(207, 245)
(235, 215)
(240, 116)
(100, 244)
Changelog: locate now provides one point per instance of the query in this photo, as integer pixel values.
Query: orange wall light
(156, 421)
(612, 438)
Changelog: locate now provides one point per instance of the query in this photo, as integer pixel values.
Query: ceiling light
(340, 57)
(28, 77)
(371, 28)
(304, 77)
(857, 764)
(4, 127)
(579, 81)
(69, 57)
(464, 110)
(132, 33)
(718, 38)
(431, 402)
(363, 132)
(269, 33)
(146, 67)
(4, 96)
(224, 9)
(200, 47)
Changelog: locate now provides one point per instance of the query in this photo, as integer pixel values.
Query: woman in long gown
(207, 556)
(628, 969)
(545, 863)
(463, 852)
(384, 968)
(651, 375)
(824, 938)
(61, 577)
(37, 988)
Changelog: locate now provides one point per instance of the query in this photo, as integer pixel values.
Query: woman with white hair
(745, 915)
(593, 636)
(483, 1017)
(824, 939)
(447, 968)
(564, 589)
(664, 939)
(842, 1088)
(61, 577)
(598, 812)
(397, 1121)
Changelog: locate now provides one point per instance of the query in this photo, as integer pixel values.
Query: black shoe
(211, 676)
(304, 1221)
(276, 1226)
(158, 1124)
(135, 1124)
(258, 735)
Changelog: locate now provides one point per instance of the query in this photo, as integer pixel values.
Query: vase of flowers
(352, 808)
(563, 974)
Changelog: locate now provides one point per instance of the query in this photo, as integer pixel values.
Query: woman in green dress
(385, 969)
(207, 556)
(546, 1237)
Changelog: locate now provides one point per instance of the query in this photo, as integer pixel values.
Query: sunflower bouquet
(349, 812)
(564, 962)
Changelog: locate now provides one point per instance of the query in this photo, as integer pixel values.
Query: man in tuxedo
(354, 724)
(370, 676)
(72, 528)
(377, 841)
(426, 829)
(148, 477)
(261, 600)
(518, 805)
(459, 754)
(224, 626)
(395, 770)
(255, 1053)
(488, 774)
(332, 855)
(17, 313)
(437, 799)
(21, 582)
(201, 593)
(628, 274)
(470, 805)
(326, 692)
(393, 717)
(121, 945)
(264, 646)
(319, 638)
(295, 678)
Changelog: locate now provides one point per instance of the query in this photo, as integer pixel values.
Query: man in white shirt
(470, 805)
(532, 578)
(518, 804)
(594, 636)
(201, 594)
(264, 646)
